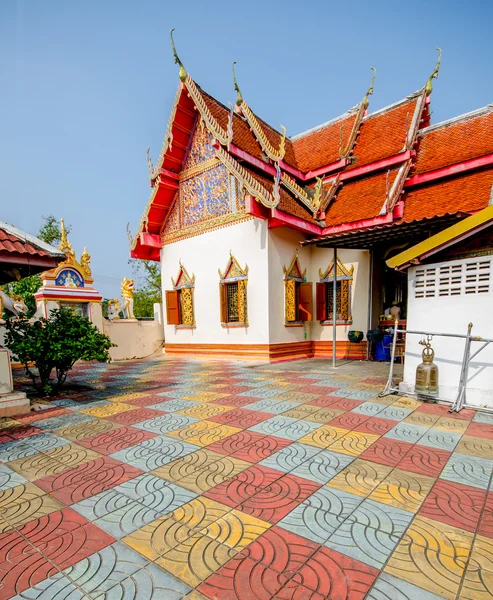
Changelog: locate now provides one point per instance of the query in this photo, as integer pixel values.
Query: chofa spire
(434, 75)
(370, 89)
(239, 97)
(183, 73)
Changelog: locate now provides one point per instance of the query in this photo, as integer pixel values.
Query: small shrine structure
(70, 285)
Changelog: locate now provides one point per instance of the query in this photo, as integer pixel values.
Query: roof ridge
(345, 115)
(465, 116)
(389, 107)
(27, 237)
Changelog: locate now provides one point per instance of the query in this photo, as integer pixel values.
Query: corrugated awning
(445, 238)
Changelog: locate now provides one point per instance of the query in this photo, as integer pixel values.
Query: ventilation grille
(453, 279)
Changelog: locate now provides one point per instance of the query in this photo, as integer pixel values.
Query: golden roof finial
(282, 143)
(434, 75)
(85, 260)
(65, 246)
(239, 97)
(370, 89)
(183, 73)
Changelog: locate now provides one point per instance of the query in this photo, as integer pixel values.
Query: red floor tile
(455, 504)
(434, 409)
(376, 426)
(145, 401)
(334, 575)
(349, 420)
(87, 479)
(41, 415)
(241, 417)
(130, 417)
(486, 524)
(52, 526)
(117, 439)
(243, 486)
(346, 403)
(277, 500)
(261, 449)
(23, 431)
(317, 389)
(424, 460)
(23, 566)
(480, 430)
(386, 451)
(237, 442)
(323, 401)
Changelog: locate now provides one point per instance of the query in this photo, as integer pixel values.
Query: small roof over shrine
(23, 255)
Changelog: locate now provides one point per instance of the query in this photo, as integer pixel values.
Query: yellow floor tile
(324, 436)
(455, 425)
(236, 529)
(213, 435)
(354, 443)
(324, 415)
(478, 581)
(475, 446)
(205, 410)
(433, 571)
(439, 537)
(361, 477)
(192, 430)
(84, 431)
(114, 408)
(19, 494)
(16, 514)
(423, 419)
(186, 466)
(304, 411)
(405, 402)
(196, 559)
(156, 538)
(205, 396)
(403, 489)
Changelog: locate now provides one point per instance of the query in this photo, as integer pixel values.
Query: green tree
(50, 232)
(55, 344)
(149, 292)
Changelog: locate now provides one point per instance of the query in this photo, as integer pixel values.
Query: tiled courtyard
(182, 479)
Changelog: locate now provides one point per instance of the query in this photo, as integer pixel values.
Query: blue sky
(87, 86)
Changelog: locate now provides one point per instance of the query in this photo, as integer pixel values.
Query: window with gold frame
(180, 301)
(297, 294)
(325, 294)
(233, 294)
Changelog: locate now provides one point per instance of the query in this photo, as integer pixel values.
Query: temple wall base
(134, 339)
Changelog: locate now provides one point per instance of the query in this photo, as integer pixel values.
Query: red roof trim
(462, 167)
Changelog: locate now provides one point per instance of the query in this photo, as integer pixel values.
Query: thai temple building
(275, 247)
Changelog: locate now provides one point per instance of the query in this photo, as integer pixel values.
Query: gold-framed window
(180, 300)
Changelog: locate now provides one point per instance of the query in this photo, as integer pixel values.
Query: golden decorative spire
(239, 97)
(434, 75)
(282, 143)
(370, 89)
(65, 246)
(183, 73)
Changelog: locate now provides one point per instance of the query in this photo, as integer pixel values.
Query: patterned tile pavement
(175, 479)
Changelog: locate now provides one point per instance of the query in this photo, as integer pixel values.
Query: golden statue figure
(85, 259)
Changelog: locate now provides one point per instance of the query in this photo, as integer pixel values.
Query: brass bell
(427, 372)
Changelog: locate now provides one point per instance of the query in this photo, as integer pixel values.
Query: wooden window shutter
(290, 300)
(321, 301)
(223, 302)
(306, 302)
(173, 307)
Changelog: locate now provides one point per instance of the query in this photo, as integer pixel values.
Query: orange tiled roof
(384, 134)
(455, 142)
(466, 193)
(243, 138)
(360, 199)
(321, 147)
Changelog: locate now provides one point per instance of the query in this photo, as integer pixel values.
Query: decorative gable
(233, 271)
(342, 272)
(183, 280)
(294, 270)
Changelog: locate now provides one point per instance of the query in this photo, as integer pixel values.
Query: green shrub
(55, 344)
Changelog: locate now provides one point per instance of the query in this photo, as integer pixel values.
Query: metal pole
(461, 394)
(388, 387)
(334, 311)
(370, 305)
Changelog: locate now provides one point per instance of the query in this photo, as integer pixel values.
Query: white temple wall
(445, 313)
(202, 256)
(283, 243)
(360, 259)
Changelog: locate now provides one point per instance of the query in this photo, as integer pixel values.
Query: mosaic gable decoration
(69, 278)
(183, 279)
(209, 196)
(294, 270)
(233, 271)
(342, 271)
